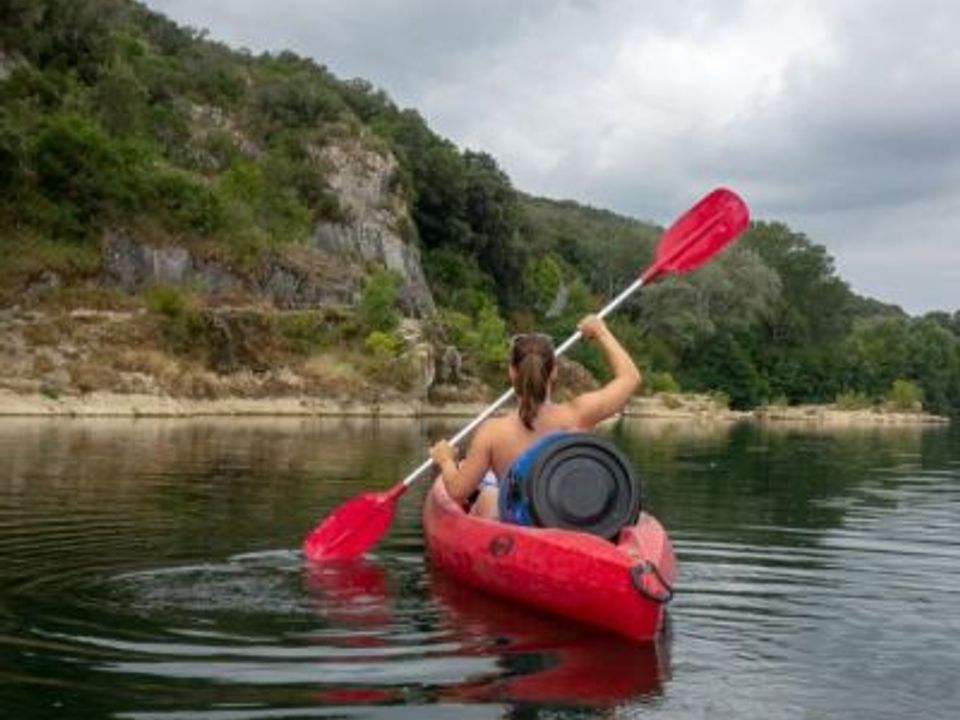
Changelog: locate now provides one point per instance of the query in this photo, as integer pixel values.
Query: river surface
(150, 570)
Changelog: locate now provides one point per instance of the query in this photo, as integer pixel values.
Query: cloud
(837, 117)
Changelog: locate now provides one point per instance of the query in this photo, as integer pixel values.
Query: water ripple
(151, 572)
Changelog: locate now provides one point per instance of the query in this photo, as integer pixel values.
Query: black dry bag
(579, 481)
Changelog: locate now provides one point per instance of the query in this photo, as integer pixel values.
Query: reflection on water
(149, 570)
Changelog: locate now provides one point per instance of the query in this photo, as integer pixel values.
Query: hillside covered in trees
(113, 117)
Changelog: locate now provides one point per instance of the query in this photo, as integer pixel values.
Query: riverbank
(696, 408)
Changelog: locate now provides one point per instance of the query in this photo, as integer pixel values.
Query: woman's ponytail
(533, 360)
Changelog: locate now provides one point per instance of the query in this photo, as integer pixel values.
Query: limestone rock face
(130, 266)
(329, 270)
(289, 278)
(376, 218)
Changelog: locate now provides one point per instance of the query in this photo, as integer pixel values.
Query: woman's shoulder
(497, 425)
(561, 416)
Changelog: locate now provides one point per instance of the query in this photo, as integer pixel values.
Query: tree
(878, 353)
(721, 363)
(82, 173)
(542, 279)
(932, 361)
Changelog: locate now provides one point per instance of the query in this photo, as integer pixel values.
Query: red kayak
(622, 586)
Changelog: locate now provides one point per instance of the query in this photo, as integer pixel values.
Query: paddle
(697, 235)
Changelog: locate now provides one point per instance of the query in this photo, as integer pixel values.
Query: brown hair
(532, 359)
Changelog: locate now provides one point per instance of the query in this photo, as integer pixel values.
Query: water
(150, 571)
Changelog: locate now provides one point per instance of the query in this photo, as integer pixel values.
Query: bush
(81, 173)
(182, 321)
(383, 345)
(491, 336)
(483, 337)
(187, 203)
(166, 300)
(297, 101)
(378, 303)
(853, 400)
(905, 396)
(28, 256)
(456, 278)
(385, 362)
(661, 382)
(258, 212)
(307, 332)
(50, 392)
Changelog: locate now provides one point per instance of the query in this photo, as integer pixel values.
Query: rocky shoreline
(696, 408)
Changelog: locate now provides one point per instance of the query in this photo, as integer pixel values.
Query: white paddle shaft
(505, 398)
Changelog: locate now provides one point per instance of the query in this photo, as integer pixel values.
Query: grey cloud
(840, 120)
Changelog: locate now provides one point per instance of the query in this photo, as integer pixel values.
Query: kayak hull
(622, 587)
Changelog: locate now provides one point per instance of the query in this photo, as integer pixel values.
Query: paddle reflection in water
(352, 593)
(519, 655)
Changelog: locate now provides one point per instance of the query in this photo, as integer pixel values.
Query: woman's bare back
(499, 441)
(508, 437)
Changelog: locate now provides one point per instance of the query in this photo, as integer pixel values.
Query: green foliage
(905, 395)
(185, 202)
(120, 99)
(215, 75)
(543, 278)
(257, 212)
(62, 35)
(51, 392)
(26, 256)
(481, 335)
(661, 382)
(490, 335)
(722, 363)
(295, 93)
(934, 362)
(592, 358)
(181, 320)
(450, 272)
(461, 201)
(167, 300)
(378, 303)
(383, 345)
(878, 352)
(13, 155)
(385, 362)
(81, 174)
(814, 304)
(607, 250)
(310, 331)
(853, 400)
(114, 115)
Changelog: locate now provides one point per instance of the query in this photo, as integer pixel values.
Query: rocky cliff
(375, 230)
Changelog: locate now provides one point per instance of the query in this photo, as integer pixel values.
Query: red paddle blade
(700, 233)
(353, 527)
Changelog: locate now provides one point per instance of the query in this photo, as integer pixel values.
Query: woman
(500, 441)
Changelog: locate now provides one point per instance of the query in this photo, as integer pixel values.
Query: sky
(839, 117)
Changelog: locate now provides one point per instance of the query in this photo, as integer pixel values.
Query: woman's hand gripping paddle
(696, 236)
